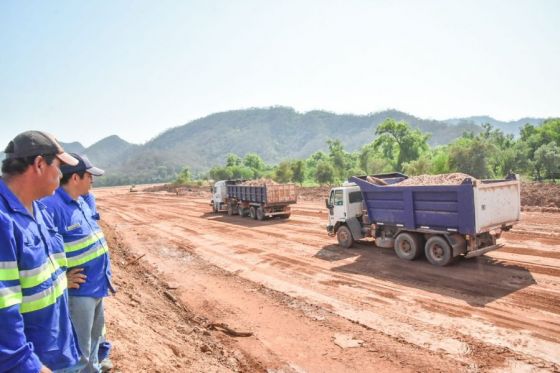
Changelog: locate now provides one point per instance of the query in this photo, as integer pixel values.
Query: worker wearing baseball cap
(36, 332)
(87, 253)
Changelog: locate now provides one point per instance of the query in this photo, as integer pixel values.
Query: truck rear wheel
(230, 210)
(242, 212)
(408, 246)
(253, 212)
(344, 237)
(260, 214)
(438, 251)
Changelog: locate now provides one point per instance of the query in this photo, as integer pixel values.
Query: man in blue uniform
(36, 334)
(87, 254)
(104, 345)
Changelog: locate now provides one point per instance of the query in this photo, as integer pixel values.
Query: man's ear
(39, 164)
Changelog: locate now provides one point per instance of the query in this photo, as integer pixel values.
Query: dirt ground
(190, 281)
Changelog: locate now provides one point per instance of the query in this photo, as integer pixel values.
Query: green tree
(220, 173)
(440, 161)
(254, 162)
(340, 159)
(184, 176)
(547, 160)
(469, 155)
(399, 141)
(298, 171)
(241, 172)
(233, 160)
(284, 172)
(324, 173)
(420, 166)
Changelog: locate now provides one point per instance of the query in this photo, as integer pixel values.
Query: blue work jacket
(84, 243)
(35, 327)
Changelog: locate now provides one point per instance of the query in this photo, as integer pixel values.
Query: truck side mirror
(327, 204)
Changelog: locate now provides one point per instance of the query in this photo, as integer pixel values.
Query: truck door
(337, 211)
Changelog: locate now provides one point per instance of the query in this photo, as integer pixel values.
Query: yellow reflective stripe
(10, 296)
(84, 242)
(87, 256)
(38, 275)
(7, 274)
(60, 259)
(9, 271)
(44, 298)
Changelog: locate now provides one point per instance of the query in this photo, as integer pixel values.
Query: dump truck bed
(277, 194)
(473, 207)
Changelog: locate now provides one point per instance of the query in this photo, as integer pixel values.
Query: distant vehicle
(441, 221)
(257, 201)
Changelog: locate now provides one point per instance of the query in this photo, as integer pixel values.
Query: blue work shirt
(84, 243)
(35, 327)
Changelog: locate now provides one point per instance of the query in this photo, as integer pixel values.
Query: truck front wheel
(344, 237)
(408, 246)
(438, 251)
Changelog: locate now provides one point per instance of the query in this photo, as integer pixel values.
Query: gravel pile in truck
(455, 178)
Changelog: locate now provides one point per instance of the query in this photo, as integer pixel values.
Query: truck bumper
(482, 251)
(330, 230)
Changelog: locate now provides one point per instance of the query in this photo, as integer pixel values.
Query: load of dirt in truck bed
(455, 178)
(259, 182)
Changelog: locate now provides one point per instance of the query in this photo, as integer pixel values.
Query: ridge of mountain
(510, 128)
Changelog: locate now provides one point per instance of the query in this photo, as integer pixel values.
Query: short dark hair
(17, 166)
(66, 177)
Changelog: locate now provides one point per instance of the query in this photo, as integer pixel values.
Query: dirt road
(306, 300)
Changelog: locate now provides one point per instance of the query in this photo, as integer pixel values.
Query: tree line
(396, 146)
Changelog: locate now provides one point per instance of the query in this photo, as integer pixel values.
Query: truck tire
(344, 237)
(253, 212)
(230, 210)
(284, 216)
(260, 214)
(438, 251)
(408, 246)
(242, 212)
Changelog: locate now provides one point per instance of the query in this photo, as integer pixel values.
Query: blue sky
(84, 70)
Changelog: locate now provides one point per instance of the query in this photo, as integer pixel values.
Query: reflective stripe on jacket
(84, 243)
(34, 319)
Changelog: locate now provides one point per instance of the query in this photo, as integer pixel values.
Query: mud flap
(355, 228)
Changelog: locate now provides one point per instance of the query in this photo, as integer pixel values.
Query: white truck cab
(219, 196)
(344, 203)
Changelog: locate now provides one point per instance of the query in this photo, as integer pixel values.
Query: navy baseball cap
(84, 165)
(33, 143)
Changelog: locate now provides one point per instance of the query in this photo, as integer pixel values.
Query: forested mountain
(275, 134)
(279, 133)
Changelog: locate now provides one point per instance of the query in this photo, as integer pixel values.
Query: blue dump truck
(446, 221)
(253, 198)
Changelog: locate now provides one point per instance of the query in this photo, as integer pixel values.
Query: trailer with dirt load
(258, 199)
(440, 216)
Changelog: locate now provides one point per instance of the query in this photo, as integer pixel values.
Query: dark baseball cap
(33, 143)
(84, 165)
